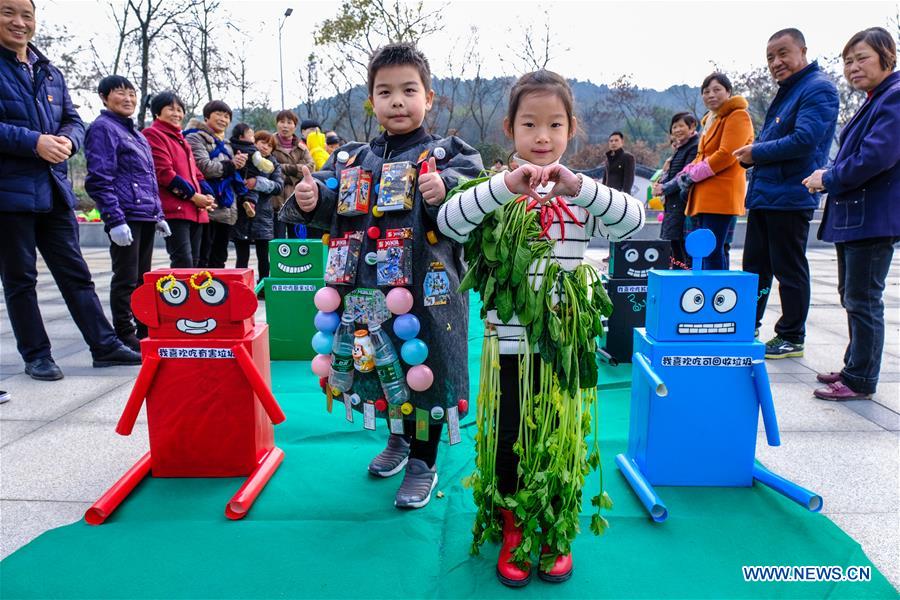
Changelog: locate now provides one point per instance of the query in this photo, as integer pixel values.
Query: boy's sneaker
(779, 348)
(415, 491)
(392, 459)
(249, 209)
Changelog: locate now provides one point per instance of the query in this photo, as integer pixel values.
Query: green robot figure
(297, 270)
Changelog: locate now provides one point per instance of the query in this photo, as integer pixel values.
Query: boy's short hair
(400, 53)
(113, 82)
(618, 133)
(309, 124)
(264, 136)
(286, 115)
(163, 99)
(216, 106)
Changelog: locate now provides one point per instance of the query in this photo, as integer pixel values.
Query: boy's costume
(388, 243)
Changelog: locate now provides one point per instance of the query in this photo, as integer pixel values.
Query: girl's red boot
(561, 570)
(507, 572)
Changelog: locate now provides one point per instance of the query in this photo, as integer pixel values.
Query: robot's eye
(303, 250)
(651, 254)
(692, 300)
(632, 255)
(214, 293)
(725, 300)
(284, 250)
(175, 294)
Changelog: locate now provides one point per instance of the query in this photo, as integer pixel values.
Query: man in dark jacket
(39, 131)
(793, 142)
(619, 174)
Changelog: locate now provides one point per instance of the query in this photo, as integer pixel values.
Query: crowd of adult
(203, 191)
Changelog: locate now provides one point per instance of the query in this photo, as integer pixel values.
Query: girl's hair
(719, 77)
(541, 81)
(264, 136)
(238, 131)
(689, 119)
(880, 41)
(163, 99)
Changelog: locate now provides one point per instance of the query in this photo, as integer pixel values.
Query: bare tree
(196, 38)
(537, 49)
(449, 89)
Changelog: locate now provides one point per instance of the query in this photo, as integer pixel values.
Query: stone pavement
(59, 450)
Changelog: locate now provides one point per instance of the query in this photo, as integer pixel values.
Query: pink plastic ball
(321, 365)
(660, 217)
(327, 299)
(399, 300)
(419, 378)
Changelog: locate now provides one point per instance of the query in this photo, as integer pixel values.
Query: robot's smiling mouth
(195, 327)
(294, 270)
(689, 328)
(639, 273)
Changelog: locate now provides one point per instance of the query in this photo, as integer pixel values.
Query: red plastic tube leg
(110, 501)
(240, 503)
(138, 393)
(258, 384)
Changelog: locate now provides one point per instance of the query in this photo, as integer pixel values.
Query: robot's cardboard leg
(110, 501)
(802, 496)
(240, 503)
(642, 488)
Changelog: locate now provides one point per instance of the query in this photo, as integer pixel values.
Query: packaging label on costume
(707, 361)
(353, 198)
(363, 352)
(397, 187)
(195, 353)
(279, 287)
(422, 424)
(390, 372)
(367, 306)
(344, 364)
(394, 257)
(395, 418)
(624, 289)
(437, 285)
(348, 408)
(343, 258)
(453, 425)
(369, 416)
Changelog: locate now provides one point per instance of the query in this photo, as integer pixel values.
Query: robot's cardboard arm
(138, 393)
(258, 384)
(766, 404)
(653, 380)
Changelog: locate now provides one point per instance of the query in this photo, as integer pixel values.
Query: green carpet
(324, 529)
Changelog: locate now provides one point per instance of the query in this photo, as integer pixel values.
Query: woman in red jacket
(185, 195)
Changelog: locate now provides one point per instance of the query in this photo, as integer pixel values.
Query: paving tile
(798, 410)
(107, 408)
(49, 400)
(24, 521)
(876, 413)
(11, 431)
(879, 537)
(68, 461)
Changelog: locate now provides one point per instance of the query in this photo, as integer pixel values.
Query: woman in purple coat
(862, 213)
(122, 182)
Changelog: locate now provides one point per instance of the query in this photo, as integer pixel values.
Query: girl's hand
(566, 183)
(523, 180)
(814, 182)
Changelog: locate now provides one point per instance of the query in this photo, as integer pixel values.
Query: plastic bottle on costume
(388, 366)
(341, 377)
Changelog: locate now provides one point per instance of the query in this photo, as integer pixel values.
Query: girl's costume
(543, 304)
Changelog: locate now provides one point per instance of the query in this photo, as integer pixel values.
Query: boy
(399, 85)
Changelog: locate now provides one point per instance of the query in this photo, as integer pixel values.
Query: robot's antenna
(699, 244)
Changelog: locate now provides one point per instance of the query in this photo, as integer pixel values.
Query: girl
(526, 261)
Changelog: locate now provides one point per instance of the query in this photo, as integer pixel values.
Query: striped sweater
(600, 210)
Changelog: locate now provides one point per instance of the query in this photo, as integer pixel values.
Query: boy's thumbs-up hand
(306, 193)
(431, 186)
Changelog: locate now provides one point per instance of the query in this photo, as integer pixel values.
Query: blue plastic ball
(327, 322)
(414, 352)
(331, 183)
(322, 342)
(406, 327)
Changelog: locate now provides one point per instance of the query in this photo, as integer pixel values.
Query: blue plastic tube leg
(653, 380)
(766, 404)
(802, 496)
(642, 488)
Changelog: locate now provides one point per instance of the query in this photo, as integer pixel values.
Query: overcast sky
(658, 43)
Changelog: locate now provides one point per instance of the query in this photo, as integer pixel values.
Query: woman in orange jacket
(719, 182)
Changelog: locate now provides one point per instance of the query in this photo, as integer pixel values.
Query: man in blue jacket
(794, 141)
(39, 131)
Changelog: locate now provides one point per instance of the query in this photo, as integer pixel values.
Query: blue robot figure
(699, 383)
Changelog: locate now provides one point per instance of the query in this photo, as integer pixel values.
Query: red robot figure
(207, 383)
